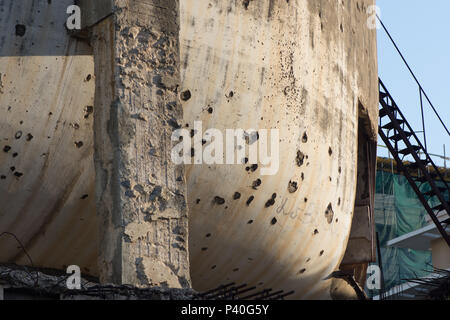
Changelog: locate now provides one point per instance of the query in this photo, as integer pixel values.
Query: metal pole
(423, 119)
(380, 265)
(445, 160)
(445, 163)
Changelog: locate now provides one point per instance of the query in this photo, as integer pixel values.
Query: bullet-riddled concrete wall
(47, 193)
(304, 67)
(141, 193)
(300, 66)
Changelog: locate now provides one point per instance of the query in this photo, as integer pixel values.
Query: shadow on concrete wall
(37, 28)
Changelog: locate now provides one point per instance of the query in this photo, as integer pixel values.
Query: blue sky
(421, 29)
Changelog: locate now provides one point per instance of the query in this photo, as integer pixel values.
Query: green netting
(399, 211)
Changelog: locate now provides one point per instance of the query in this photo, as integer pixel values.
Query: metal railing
(422, 92)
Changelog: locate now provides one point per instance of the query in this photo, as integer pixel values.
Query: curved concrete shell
(307, 68)
(47, 174)
(296, 66)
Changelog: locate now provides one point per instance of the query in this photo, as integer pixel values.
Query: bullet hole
(330, 179)
(302, 176)
(29, 137)
(321, 253)
(292, 186)
(78, 144)
(231, 94)
(6, 148)
(192, 152)
(339, 201)
(340, 170)
(50, 113)
(218, 200)
(250, 222)
(18, 135)
(203, 142)
(88, 77)
(329, 213)
(306, 199)
(253, 167)
(2, 177)
(305, 138)
(204, 249)
(256, 184)
(235, 269)
(21, 122)
(210, 110)
(15, 154)
(185, 95)
(249, 200)
(302, 271)
(157, 81)
(330, 151)
(236, 195)
(342, 28)
(20, 30)
(156, 193)
(245, 3)
(173, 123)
(308, 260)
(12, 169)
(197, 201)
(208, 235)
(300, 158)
(337, 220)
(213, 267)
(171, 105)
(84, 196)
(87, 111)
(192, 133)
(245, 160)
(126, 184)
(316, 231)
(273, 221)
(271, 201)
(18, 174)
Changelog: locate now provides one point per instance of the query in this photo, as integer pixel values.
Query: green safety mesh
(398, 211)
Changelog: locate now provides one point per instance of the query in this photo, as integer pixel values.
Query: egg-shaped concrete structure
(301, 67)
(305, 68)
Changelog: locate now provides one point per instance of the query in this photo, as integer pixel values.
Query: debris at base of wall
(29, 283)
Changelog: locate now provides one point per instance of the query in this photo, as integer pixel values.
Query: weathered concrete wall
(46, 139)
(141, 193)
(300, 66)
(440, 254)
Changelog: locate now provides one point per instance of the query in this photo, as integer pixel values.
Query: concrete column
(140, 193)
